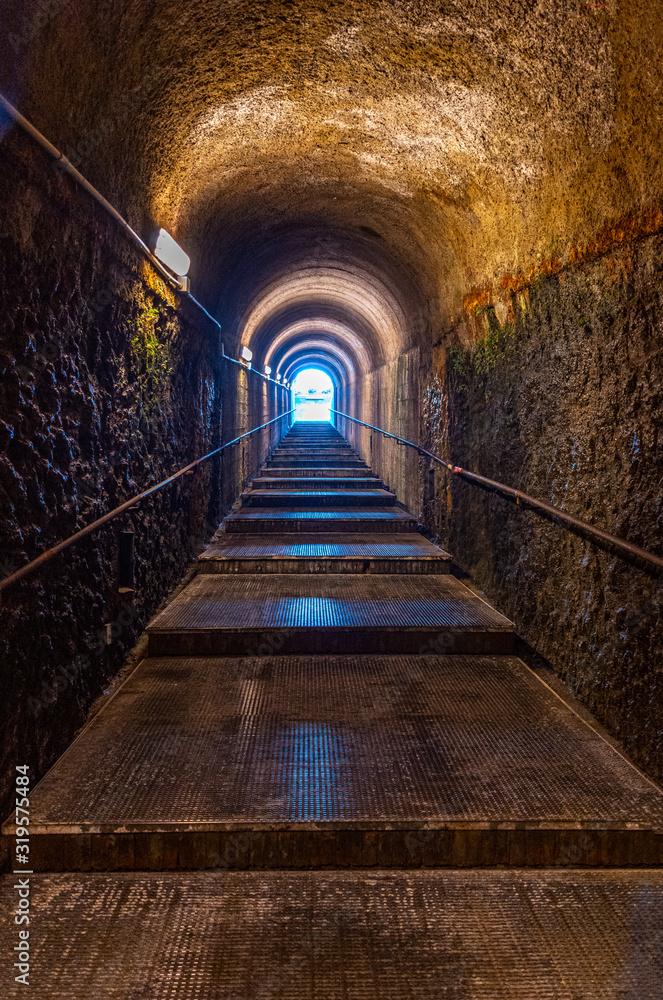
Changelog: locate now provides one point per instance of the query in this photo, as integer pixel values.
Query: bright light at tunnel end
(313, 392)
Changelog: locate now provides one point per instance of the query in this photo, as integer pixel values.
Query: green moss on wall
(152, 363)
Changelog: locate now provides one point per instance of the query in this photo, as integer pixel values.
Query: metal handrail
(623, 548)
(45, 557)
(66, 165)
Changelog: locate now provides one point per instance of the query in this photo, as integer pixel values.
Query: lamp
(247, 355)
(171, 254)
(268, 370)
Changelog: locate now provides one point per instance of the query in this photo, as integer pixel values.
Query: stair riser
(254, 849)
(309, 641)
(394, 567)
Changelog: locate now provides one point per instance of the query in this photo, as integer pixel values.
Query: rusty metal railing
(632, 553)
(51, 553)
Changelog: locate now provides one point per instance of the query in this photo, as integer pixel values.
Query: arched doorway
(313, 392)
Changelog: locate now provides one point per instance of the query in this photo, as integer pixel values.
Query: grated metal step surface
(302, 602)
(370, 740)
(441, 935)
(316, 463)
(349, 520)
(322, 452)
(336, 613)
(297, 482)
(320, 470)
(397, 554)
(312, 498)
(318, 546)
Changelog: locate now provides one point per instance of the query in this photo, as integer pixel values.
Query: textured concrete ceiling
(368, 165)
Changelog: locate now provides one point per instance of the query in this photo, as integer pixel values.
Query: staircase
(332, 778)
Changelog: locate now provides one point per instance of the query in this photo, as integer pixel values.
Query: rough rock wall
(564, 399)
(107, 386)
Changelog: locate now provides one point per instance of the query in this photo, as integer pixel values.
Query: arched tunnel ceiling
(332, 339)
(331, 351)
(421, 149)
(345, 302)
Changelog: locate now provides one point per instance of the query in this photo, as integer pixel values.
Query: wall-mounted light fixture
(268, 370)
(278, 378)
(171, 254)
(247, 355)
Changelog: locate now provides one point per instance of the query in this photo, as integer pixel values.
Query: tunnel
(453, 214)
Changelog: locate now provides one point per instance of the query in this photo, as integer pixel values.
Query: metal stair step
(316, 463)
(319, 472)
(344, 935)
(311, 499)
(220, 614)
(340, 760)
(296, 521)
(397, 554)
(297, 482)
(350, 935)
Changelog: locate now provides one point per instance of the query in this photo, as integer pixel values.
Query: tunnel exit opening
(313, 392)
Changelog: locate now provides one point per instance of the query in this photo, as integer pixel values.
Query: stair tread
(316, 482)
(338, 494)
(345, 935)
(298, 465)
(332, 601)
(277, 472)
(304, 499)
(321, 546)
(326, 514)
(339, 742)
(324, 553)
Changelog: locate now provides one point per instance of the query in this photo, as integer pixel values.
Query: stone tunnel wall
(564, 400)
(108, 385)
(391, 399)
